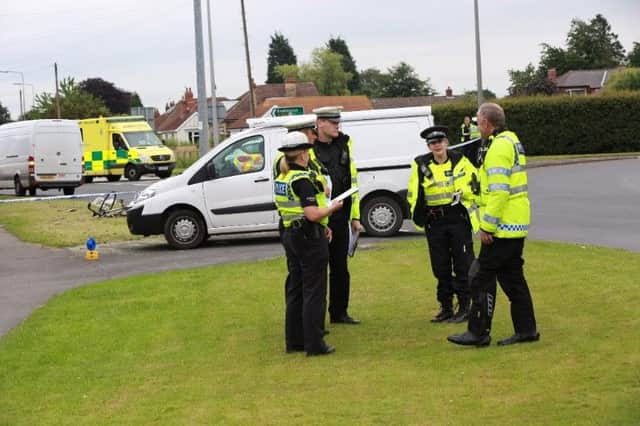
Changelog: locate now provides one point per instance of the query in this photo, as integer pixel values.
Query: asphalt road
(591, 203)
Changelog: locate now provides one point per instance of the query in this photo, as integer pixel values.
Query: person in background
(303, 208)
(440, 195)
(504, 225)
(333, 150)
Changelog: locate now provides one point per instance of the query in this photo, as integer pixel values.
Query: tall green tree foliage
(135, 100)
(403, 81)
(117, 100)
(633, 59)
(626, 79)
(338, 45)
(74, 103)
(590, 45)
(5, 117)
(280, 53)
(326, 72)
(373, 82)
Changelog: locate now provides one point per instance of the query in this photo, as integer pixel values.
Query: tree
(372, 82)
(117, 100)
(5, 117)
(326, 72)
(74, 103)
(135, 100)
(404, 82)
(633, 59)
(595, 44)
(280, 53)
(626, 79)
(471, 95)
(560, 59)
(339, 46)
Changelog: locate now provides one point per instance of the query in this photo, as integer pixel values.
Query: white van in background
(230, 189)
(45, 154)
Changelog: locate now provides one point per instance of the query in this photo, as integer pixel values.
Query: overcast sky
(147, 46)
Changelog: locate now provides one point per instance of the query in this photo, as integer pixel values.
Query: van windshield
(137, 139)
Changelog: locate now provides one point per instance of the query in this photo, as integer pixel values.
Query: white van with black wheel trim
(44, 154)
(230, 189)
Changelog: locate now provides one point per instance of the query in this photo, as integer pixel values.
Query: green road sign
(294, 110)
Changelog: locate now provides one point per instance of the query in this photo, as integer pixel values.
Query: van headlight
(143, 196)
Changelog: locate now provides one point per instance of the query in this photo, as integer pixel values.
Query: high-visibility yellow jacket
(504, 197)
(433, 184)
(288, 202)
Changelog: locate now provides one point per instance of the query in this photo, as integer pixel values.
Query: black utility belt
(444, 210)
(311, 230)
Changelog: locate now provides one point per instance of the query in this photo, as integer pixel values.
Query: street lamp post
(478, 61)
(22, 80)
(33, 90)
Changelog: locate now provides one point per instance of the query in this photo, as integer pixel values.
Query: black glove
(475, 184)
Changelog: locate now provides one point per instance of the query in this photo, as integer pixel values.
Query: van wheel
(114, 178)
(68, 191)
(87, 179)
(184, 229)
(18, 188)
(382, 216)
(132, 173)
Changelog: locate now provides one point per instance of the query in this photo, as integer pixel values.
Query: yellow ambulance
(116, 146)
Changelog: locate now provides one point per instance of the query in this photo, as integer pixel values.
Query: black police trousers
(502, 260)
(339, 278)
(450, 244)
(305, 289)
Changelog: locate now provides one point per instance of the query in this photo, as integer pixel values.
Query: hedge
(549, 125)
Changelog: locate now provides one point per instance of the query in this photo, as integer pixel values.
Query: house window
(194, 137)
(577, 92)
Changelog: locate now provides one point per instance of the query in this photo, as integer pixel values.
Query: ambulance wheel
(382, 216)
(132, 173)
(87, 179)
(18, 188)
(163, 175)
(114, 178)
(68, 191)
(184, 229)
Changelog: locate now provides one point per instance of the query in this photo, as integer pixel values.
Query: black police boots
(446, 312)
(463, 312)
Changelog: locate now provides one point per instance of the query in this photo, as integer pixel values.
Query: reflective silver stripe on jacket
(490, 219)
(291, 217)
(288, 203)
(499, 187)
(518, 168)
(518, 189)
(444, 196)
(498, 171)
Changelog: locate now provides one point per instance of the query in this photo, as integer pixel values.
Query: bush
(562, 124)
(626, 79)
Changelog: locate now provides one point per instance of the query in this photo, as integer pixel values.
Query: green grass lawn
(61, 223)
(206, 346)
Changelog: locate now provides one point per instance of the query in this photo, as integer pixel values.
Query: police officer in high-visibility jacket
(333, 150)
(440, 196)
(504, 215)
(301, 202)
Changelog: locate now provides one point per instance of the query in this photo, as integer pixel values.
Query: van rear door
(58, 152)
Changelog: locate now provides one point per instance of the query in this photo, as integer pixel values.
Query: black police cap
(434, 133)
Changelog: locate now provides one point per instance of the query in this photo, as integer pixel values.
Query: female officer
(302, 205)
(440, 196)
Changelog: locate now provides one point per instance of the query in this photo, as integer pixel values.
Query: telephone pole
(479, 93)
(214, 99)
(252, 103)
(203, 114)
(55, 69)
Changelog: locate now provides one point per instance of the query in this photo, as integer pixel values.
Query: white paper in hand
(345, 194)
(353, 241)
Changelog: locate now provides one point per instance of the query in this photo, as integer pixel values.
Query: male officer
(333, 149)
(504, 224)
(307, 126)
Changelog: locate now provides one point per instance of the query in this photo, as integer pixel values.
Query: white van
(230, 189)
(43, 154)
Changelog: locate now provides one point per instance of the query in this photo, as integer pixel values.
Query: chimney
(449, 92)
(290, 87)
(552, 74)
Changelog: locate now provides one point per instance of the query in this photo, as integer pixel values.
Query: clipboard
(353, 241)
(349, 192)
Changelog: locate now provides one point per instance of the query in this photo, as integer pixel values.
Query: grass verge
(207, 346)
(61, 223)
